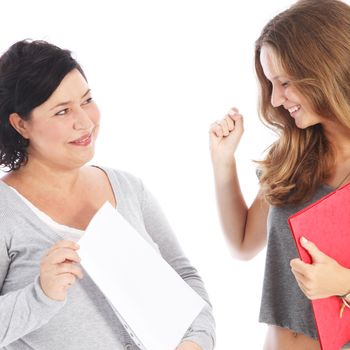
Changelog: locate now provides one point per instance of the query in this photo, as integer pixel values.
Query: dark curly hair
(30, 71)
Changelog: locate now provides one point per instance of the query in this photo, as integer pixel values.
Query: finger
(238, 120)
(216, 130)
(300, 279)
(316, 255)
(299, 276)
(233, 111)
(66, 280)
(303, 288)
(224, 127)
(69, 268)
(61, 255)
(308, 292)
(230, 123)
(299, 266)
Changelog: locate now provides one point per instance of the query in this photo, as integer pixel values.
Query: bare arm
(244, 228)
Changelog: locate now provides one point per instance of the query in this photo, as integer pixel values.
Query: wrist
(344, 290)
(189, 345)
(222, 158)
(224, 167)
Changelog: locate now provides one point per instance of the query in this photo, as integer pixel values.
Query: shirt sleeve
(24, 310)
(202, 330)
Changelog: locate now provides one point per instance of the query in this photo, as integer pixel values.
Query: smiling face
(62, 131)
(285, 94)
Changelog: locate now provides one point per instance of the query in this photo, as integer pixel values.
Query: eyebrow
(66, 103)
(276, 77)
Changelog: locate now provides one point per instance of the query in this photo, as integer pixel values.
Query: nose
(277, 96)
(82, 120)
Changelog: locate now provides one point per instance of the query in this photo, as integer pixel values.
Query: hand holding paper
(59, 269)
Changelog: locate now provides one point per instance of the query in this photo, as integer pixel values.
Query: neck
(339, 138)
(48, 177)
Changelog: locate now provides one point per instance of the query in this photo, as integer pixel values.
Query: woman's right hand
(59, 269)
(225, 135)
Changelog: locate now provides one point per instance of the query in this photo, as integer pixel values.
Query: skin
(56, 179)
(188, 345)
(244, 227)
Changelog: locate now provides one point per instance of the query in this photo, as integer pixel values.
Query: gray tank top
(283, 303)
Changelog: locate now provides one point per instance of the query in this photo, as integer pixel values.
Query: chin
(304, 124)
(300, 125)
(82, 161)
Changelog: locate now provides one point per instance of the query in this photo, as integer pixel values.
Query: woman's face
(62, 131)
(285, 94)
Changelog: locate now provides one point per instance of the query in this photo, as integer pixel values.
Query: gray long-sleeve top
(85, 319)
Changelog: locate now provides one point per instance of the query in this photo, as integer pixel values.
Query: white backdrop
(161, 72)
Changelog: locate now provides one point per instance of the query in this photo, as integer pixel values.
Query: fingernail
(303, 240)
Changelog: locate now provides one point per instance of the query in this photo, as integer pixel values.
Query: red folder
(327, 224)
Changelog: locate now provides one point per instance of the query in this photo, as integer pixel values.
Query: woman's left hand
(324, 277)
(188, 345)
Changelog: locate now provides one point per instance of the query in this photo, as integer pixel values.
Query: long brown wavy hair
(312, 43)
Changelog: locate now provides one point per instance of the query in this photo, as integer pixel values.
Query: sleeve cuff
(44, 300)
(201, 338)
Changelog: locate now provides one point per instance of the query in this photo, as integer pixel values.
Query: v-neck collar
(19, 202)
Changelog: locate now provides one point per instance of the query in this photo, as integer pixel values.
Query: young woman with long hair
(302, 60)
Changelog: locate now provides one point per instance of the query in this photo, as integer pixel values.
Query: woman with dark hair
(302, 60)
(48, 126)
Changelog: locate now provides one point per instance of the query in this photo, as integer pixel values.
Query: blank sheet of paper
(151, 299)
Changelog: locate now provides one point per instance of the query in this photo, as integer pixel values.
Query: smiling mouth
(83, 141)
(294, 109)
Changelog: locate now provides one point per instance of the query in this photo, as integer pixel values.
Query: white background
(161, 72)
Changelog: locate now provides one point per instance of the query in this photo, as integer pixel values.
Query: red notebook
(327, 224)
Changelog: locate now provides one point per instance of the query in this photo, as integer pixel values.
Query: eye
(62, 112)
(285, 84)
(89, 100)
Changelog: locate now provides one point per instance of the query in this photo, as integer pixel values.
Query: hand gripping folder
(327, 224)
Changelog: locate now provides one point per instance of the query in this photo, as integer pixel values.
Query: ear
(19, 124)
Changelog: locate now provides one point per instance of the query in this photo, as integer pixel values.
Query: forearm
(231, 204)
(24, 311)
(202, 330)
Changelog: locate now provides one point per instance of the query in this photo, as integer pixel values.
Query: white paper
(154, 303)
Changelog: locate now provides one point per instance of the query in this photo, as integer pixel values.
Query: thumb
(316, 255)
(238, 120)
